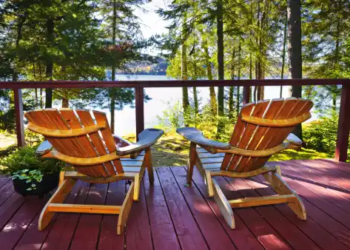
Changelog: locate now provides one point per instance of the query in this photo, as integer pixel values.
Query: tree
(294, 30)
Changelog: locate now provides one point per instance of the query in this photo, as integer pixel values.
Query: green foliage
(26, 159)
(30, 176)
(174, 116)
(321, 135)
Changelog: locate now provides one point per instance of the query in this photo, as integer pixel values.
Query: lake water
(161, 98)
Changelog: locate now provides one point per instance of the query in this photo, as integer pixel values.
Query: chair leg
(136, 192)
(191, 162)
(125, 210)
(209, 182)
(62, 177)
(282, 188)
(224, 205)
(148, 160)
(58, 197)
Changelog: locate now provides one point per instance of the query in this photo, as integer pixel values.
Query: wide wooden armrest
(294, 140)
(196, 136)
(44, 148)
(146, 139)
(120, 141)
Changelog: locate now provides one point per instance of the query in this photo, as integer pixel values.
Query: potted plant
(31, 174)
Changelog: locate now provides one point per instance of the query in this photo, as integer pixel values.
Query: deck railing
(344, 112)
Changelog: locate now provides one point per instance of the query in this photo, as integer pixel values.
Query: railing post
(246, 94)
(341, 150)
(140, 116)
(19, 117)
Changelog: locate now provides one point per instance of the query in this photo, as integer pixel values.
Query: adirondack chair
(262, 129)
(87, 144)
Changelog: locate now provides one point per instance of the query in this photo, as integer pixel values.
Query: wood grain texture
(196, 220)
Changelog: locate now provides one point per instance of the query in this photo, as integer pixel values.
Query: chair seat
(133, 165)
(208, 160)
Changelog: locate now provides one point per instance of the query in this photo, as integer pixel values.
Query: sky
(151, 22)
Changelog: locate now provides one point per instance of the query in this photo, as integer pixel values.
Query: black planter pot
(48, 183)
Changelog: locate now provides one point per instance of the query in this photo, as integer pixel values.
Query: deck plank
(89, 224)
(288, 231)
(138, 230)
(170, 215)
(12, 232)
(162, 227)
(63, 229)
(242, 237)
(107, 238)
(314, 231)
(211, 228)
(189, 234)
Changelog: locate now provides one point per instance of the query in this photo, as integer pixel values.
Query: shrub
(26, 159)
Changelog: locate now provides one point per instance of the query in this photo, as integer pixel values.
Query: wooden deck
(170, 215)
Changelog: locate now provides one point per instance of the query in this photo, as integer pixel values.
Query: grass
(172, 150)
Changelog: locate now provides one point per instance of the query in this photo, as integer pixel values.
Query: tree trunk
(238, 75)
(195, 97)
(231, 90)
(294, 49)
(220, 47)
(49, 62)
(284, 51)
(184, 74)
(111, 91)
(213, 103)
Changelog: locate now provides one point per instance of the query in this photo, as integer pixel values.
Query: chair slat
(237, 133)
(84, 141)
(108, 139)
(271, 113)
(86, 120)
(275, 136)
(258, 111)
(79, 143)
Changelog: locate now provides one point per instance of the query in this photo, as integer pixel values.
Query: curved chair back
(78, 138)
(264, 125)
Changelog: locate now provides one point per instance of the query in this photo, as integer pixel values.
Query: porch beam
(140, 113)
(343, 125)
(19, 117)
(246, 94)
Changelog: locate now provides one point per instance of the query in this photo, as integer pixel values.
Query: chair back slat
(83, 146)
(108, 139)
(260, 137)
(74, 123)
(86, 120)
(248, 132)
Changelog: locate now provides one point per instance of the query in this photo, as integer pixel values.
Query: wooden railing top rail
(170, 83)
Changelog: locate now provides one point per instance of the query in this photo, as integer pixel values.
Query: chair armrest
(294, 141)
(120, 141)
(196, 136)
(44, 148)
(146, 139)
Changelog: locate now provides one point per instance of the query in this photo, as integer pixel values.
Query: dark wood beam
(19, 117)
(246, 94)
(171, 83)
(341, 151)
(140, 113)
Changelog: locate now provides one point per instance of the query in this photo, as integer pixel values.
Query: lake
(161, 98)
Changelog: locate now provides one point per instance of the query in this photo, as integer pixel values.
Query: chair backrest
(264, 125)
(92, 137)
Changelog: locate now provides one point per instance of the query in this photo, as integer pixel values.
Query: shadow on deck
(172, 216)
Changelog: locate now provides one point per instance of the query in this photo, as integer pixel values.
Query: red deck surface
(172, 216)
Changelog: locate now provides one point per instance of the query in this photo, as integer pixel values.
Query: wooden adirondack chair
(262, 129)
(87, 144)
